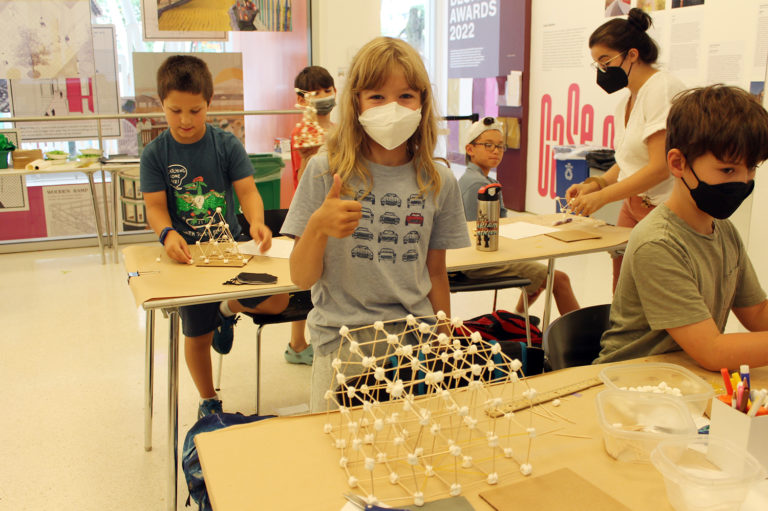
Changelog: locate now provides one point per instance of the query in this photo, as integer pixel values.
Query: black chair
(573, 339)
(299, 305)
(459, 283)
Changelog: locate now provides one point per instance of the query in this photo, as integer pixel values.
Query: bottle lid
(489, 192)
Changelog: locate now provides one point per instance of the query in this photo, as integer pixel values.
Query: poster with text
(473, 38)
(72, 96)
(45, 39)
(69, 209)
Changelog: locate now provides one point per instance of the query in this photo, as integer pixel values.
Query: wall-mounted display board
(178, 16)
(45, 39)
(73, 95)
(152, 31)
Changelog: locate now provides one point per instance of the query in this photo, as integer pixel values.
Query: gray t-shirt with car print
(380, 271)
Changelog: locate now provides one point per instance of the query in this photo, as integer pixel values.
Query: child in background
(188, 172)
(685, 265)
(314, 86)
(485, 150)
(373, 217)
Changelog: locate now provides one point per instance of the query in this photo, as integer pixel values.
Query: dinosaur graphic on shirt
(195, 206)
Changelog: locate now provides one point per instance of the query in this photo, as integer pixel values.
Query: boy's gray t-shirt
(197, 178)
(380, 271)
(674, 276)
(469, 183)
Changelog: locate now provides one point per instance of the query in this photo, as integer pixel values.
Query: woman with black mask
(624, 57)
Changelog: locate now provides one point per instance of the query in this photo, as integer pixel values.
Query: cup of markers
(740, 416)
(740, 396)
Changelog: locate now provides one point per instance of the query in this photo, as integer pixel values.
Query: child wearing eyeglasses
(485, 150)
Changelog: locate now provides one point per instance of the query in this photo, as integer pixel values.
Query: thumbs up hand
(337, 217)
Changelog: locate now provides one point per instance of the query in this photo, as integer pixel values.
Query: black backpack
(190, 462)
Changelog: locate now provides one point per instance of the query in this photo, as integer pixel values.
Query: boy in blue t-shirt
(188, 172)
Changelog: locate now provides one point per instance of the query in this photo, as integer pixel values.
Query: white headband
(483, 125)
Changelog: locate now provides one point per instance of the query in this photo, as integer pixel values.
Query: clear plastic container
(696, 392)
(633, 423)
(705, 474)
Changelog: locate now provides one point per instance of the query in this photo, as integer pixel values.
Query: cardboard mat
(563, 489)
(160, 277)
(573, 235)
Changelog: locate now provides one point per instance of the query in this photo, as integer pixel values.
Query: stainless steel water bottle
(488, 208)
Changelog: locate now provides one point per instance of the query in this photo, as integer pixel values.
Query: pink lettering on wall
(576, 127)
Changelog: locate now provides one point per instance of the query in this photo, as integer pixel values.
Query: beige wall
(339, 29)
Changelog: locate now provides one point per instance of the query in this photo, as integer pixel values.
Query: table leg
(149, 354)
(115, 177)
(96, 214)
(173, 407)
(548, 294)
(107, 224)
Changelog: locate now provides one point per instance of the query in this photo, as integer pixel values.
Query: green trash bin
(267, 170)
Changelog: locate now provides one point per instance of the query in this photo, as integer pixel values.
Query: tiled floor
(72, 366)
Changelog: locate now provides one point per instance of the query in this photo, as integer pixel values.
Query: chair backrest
(274, 218)
(573, 339)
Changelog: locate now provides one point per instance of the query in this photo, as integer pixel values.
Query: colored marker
(744, 372)
(735, 380)
(757, 403)
(739, 395)
(727, 381)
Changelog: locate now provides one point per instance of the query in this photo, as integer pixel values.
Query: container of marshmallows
(648, 403)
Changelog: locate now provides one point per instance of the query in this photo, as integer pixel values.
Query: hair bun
(639, 19)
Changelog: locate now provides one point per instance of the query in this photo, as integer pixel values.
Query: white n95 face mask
(390, 125)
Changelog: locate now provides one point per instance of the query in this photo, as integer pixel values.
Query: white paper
(281, 248)
(514, 88)
(519, 230)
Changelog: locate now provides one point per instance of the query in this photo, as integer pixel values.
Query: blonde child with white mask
(373, 217)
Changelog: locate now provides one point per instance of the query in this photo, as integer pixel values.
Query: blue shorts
(197, 320)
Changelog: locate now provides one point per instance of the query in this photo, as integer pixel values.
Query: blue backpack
(190, 462)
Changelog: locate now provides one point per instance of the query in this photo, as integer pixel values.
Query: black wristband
(164, 234)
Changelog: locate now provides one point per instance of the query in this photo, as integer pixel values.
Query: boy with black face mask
(685, 266)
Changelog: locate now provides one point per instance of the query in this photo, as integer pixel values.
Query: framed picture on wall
(152, 32)
(13, 189)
